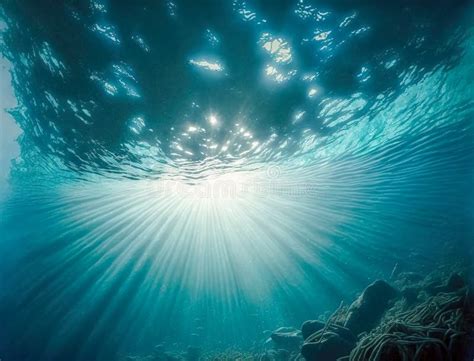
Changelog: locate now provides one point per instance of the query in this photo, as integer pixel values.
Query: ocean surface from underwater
(200, 172)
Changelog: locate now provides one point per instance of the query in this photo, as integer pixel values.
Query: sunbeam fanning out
(196, 179)
(225, 249)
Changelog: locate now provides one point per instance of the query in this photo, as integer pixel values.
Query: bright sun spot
(213, 119)
(207, 65)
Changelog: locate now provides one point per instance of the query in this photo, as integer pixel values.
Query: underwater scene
(265, 180)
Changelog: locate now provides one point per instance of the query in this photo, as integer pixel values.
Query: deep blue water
(198, 172)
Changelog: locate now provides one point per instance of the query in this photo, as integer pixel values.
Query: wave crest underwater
(199, 172)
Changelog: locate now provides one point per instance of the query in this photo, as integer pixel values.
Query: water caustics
(204, 171)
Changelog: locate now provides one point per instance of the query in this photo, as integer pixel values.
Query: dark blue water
(198, 172)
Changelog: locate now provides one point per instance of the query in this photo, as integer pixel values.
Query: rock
(344, 332)
(310, 327)
(287, 338)
(283, 355)
(366, 311)
(326, 343)
(313, 327)
(330, 347)
(454, 283)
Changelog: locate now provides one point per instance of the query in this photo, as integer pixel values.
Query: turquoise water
(196, 173)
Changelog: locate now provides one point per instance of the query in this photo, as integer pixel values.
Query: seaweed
(436, 329)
